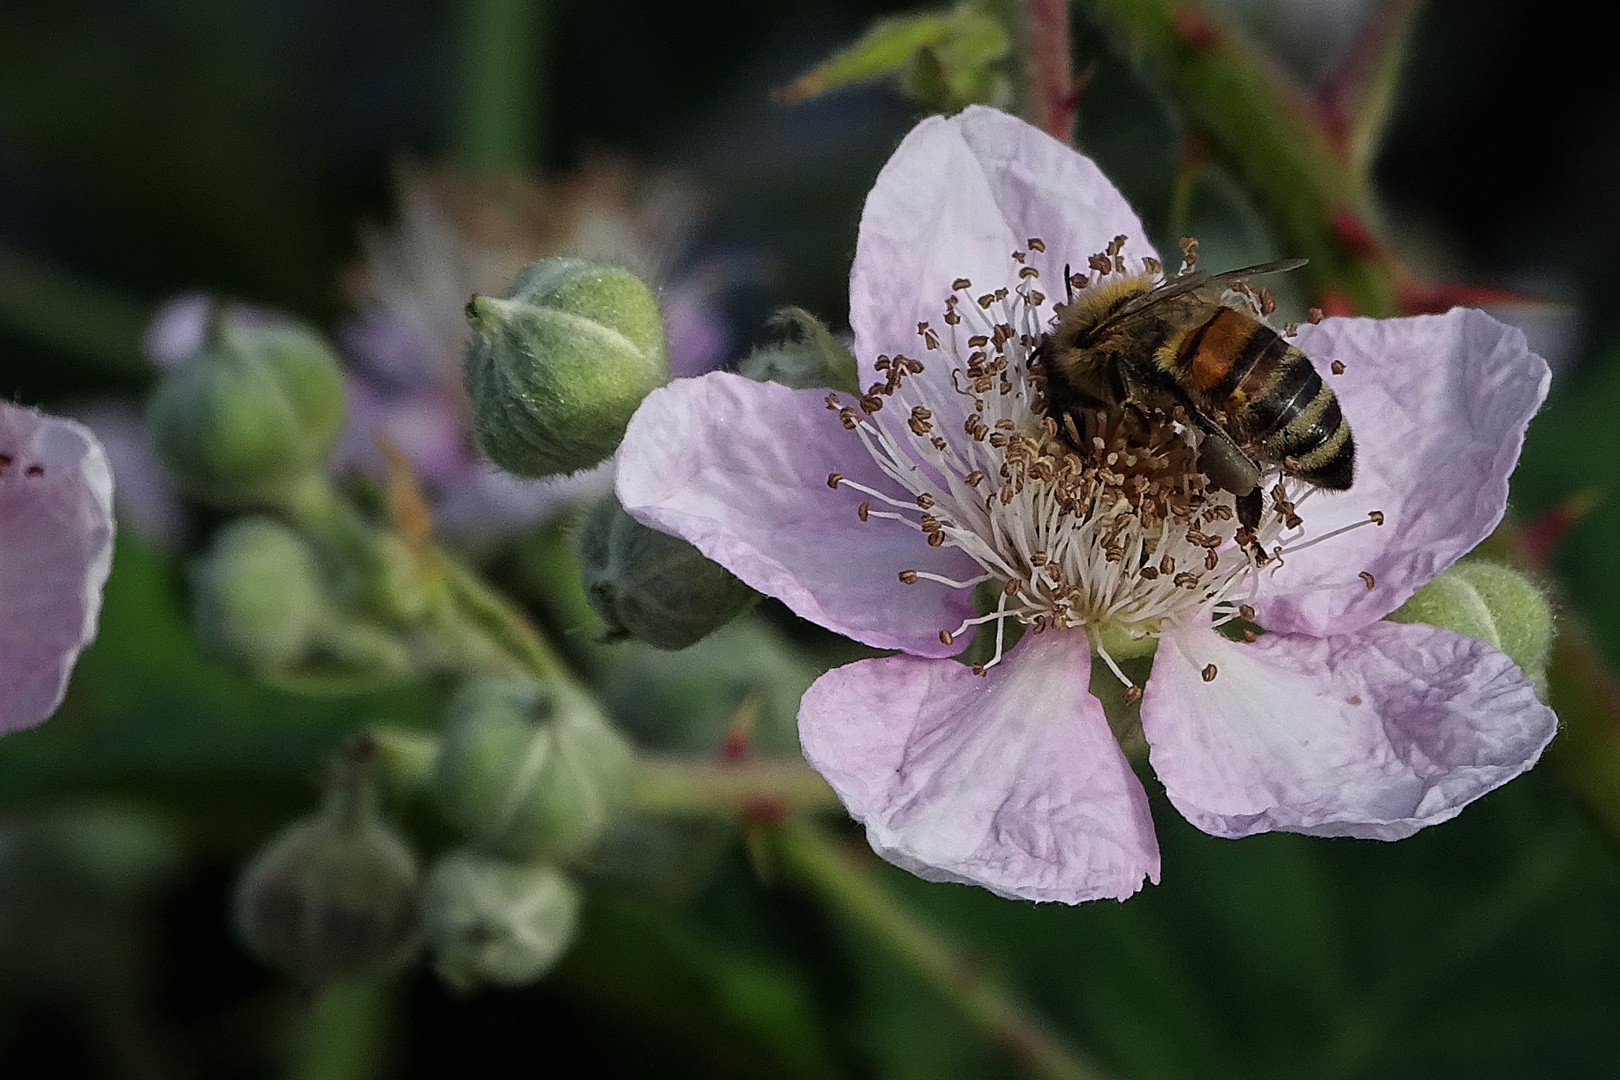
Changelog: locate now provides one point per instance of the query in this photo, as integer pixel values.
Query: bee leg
(1249, 509)
(1222, 460)
(1068, 282)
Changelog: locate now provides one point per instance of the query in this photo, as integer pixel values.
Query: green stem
(690, 787)
(496, 616)
(345, 1034)
(983, 1001)
(1271, 136)
(498, 121)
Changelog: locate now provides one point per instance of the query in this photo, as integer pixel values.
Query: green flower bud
(809, 357)
(530, 769)
(252, 414)
(260, 602)
(652, 586)
(1494, 603)
(556, 370)
(334, 896)
(490, 921)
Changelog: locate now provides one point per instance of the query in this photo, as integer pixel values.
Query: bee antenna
(1068, 282)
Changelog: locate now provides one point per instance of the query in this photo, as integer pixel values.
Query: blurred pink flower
(56, 534)
(879, 518)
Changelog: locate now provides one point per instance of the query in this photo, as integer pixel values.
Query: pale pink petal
(1373, 734)
(958, 197)
(740, 470)
(56, 531)
(1011, 781)
(1439, 406)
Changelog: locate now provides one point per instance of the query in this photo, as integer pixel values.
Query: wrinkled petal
(958, 197)
(1439, 405)
(1011, 781)
(739, 469)
(56, 533)
(1373, 734)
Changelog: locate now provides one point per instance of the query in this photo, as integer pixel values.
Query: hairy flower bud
(1494, 603)
(807, 357)
(556, 370)
(251, 414)
(652, 586)
(490, 921)
(530, 769)
(334, 896)
(259, 598)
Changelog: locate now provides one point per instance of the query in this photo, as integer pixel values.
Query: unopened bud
(530, 769)
(494, 922)
(808, 357)
(1491, 602)
(250, 415)
(556, 369)
(259, 599)
(335, 896)
(652, 586)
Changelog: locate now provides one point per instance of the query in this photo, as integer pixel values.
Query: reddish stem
(1049, 93)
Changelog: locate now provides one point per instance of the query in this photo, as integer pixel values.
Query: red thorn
(1542, 535)
(764, 811)
(1351, 232)
(1335, 303)
(734, 747)
(1194, 30)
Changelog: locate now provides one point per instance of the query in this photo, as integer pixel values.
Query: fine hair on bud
(335, 896)
(651, 586)
(557, 367)
(530, 769)
(496, 922)
(251, 415)
(1494, 603)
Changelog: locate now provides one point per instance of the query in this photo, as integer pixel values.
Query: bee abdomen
(1297, 420)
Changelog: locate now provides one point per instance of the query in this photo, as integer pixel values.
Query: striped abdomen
(1266, 394)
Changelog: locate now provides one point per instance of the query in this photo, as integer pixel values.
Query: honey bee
(1131, 343)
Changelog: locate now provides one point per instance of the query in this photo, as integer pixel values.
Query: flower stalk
(815, 861)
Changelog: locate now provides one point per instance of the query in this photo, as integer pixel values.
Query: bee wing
(1182, 284)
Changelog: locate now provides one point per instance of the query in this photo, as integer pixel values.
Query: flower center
(1104, 523)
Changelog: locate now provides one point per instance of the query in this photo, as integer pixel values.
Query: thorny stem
(816, 862)
(1048, 84)
(1271, 134)
(759, 789)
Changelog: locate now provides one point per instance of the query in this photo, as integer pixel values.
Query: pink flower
(880, 524)
(55, 550)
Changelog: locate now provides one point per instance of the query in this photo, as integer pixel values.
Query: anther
(1367, 579)
(1376, 517)
(978, 669)
(864, 510)
(926, 501)
(947, 638)
(1246, 612)
(1337, 367)
(833, 480)
(909, 577)
(1035, 243)
(1209, 673)
(1012, 586)
(1132, 694)
(1314, 316)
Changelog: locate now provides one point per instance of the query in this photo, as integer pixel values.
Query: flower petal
(958, 197)
(1373, 734)
(1439, 405)
(740, 469)
(1012, 781)
(56, 533)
